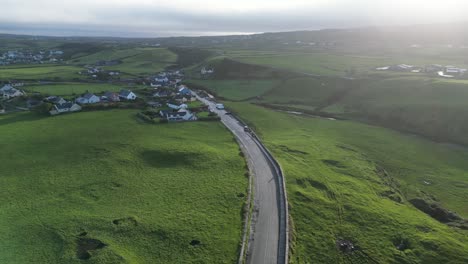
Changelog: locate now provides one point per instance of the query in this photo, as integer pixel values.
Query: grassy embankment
(104, 186)
(353, 181)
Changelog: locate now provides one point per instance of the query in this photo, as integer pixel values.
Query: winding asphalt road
(265, 230)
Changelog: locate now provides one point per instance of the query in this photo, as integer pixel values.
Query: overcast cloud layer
(160, 18)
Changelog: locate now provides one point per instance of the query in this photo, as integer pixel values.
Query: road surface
(263, 244)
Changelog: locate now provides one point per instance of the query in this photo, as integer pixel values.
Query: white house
(19, 84)
(6, 87)
(88, 98)
(127, 95)
(204, 71)
(454, 70)
(11, 93)
(55, 100)
(177, 107)
(65, 108)
(161, 79)
(181, 115)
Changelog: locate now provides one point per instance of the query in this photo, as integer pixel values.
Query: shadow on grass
(167, 159)
(20, 117)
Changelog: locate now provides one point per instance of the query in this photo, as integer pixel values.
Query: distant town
(29, 57)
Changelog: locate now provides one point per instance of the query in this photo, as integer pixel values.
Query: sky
(163, 18)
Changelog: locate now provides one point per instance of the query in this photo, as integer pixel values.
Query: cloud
(211, 17)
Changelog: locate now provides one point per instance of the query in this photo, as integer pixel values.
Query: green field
(431, 107)
(237, 89)
(135, 61)
(125, 191)
(39, 72)
(335, 64)
(65, 89)
(345, 179)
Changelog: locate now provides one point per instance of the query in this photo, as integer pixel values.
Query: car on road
(228, 113)
(220, 106)
(247, 129)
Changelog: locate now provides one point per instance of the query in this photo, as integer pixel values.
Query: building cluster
(167, 98)
(448, 71)
(29, 57)
(96, 72)
(60, 105)
(167, 79)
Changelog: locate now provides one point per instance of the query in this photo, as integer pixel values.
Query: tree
(43, 108)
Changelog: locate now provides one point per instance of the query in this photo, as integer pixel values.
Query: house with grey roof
(127, 95)
(111, 97)
(11, 93)
(88, 98)
(65, 108)
(179, 116)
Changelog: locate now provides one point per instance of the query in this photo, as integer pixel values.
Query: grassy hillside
(237, 89)
(101, 185)
(64, 89)
(431, 107)
(351, 181)
(39, 72)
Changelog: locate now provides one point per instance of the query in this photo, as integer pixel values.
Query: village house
(55, 100)
(127, 95)
(177, 107)
(161, 94)
(452, 70)
(110, 97)
(205, 71)
(181, 115)
(17, 84)
(154, 104)
(183, 90)
(114, 73)
(12, 93)
(93, 70)
(156, 85)
(65, 108)
(434, 68)
(6, 87)
(88, 98)
(402, 68)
